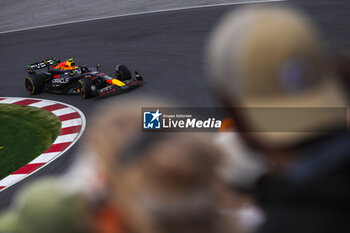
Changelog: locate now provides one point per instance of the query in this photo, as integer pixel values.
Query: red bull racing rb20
(67, 77)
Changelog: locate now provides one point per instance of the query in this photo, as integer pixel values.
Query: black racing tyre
(84, 87)
(34, 84)
(123, 73)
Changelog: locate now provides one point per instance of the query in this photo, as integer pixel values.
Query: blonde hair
(170, 186)
(173, 185)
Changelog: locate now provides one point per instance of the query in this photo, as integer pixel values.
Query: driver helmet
(71, 64)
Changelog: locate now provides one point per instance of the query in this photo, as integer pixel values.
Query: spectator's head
(170, 180)
(159, 182)
(46, 205)
(111, 128)
(272, 57)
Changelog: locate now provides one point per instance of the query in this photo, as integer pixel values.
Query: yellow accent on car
(118, 82)
(82, 89)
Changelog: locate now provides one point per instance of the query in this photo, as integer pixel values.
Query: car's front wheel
(123, 73)
(34, 84)
(84, 88)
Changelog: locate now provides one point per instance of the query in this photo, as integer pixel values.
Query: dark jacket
(314, 194)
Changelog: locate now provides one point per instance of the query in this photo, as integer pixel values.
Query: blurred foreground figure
(154, 182)
(45, 206)
(265, 61)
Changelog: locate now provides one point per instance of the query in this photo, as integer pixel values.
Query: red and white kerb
(72, 126)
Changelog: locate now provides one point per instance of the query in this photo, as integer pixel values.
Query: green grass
(25, 133)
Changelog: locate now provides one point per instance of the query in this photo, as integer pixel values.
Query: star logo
(156, 115)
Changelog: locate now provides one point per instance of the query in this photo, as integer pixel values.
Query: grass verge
(25, 133)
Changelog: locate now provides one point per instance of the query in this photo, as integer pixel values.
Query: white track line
(66, 138)
(142, 13)
(42, 104)
(69, 123)
(11, 179)
(10, 100)
(63, 111)
(45, 157)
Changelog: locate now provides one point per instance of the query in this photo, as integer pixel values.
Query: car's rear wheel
(84, 87)
(34, 84)
(123, 73)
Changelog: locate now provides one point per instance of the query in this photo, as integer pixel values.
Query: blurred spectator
(272, 57)
(155, 182)
(170, 179)
(343, 67)
(45, 206)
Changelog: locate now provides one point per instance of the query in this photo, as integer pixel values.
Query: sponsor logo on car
(42, 64)
(60, 80)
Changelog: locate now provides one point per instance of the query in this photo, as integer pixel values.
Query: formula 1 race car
(68, 78)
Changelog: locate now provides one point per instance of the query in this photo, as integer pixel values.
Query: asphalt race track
(34, 13)
(166, 48)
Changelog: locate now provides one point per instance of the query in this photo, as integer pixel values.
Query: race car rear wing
(42, 64)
